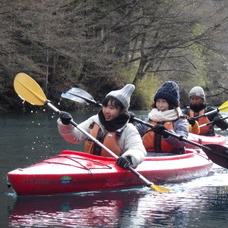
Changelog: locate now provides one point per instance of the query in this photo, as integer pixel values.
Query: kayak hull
(73, 171)
(203, 140)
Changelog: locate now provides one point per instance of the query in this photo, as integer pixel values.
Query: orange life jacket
(109, 140)
(154, 143)
(202, 120)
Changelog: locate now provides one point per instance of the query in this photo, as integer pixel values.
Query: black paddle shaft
(217, 153)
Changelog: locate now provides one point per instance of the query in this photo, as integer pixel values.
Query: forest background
(100, 45)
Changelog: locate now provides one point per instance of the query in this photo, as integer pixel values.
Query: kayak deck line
(80, 165)
(202, 154)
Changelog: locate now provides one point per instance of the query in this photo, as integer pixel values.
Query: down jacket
(129, 142)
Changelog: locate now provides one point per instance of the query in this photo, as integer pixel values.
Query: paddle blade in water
(159, 188)
(218, 154)
(29, 90)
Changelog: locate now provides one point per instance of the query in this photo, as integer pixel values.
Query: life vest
(154, 143)
(109, 140)
(202, 120)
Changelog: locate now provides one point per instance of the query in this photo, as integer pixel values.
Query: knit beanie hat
(169, 91)
(123, 95)
(197, 91)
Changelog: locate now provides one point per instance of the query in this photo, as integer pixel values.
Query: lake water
(27, 138)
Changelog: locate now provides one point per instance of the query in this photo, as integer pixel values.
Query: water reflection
(90, 210)
(131, 208)
(29, 138)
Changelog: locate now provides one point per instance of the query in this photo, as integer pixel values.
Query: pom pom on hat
(123, 95)
(197, 91)
(169, 91)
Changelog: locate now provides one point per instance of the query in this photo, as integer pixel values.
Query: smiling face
(111, 111)
(162, 104)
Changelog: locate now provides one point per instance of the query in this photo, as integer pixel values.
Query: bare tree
(91, 43)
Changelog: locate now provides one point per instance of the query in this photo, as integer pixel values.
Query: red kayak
(72, 172)
(202, 139)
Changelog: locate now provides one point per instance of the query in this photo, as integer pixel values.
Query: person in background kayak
(165, 115)
(198, 107)
(111, 127)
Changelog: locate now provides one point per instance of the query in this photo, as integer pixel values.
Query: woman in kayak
(165, 115)
(198, 107)
(111, 127)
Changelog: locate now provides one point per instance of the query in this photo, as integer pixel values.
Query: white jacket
(129, 142)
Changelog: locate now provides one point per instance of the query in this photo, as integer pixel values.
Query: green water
(27, 138)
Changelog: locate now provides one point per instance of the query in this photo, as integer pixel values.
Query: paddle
(217, 153)
(80, 96)
(29, 90)
(223, 108)
(212, 122)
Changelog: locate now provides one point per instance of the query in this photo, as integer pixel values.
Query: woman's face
(162, 104)
(110, 112)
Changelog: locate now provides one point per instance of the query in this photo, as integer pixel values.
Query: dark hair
(114, 102)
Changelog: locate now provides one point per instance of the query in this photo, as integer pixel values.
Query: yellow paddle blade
(159, 188)
(29, 90)
(224, 107)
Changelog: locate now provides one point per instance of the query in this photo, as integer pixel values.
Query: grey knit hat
(197, 91)
(123, 95)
